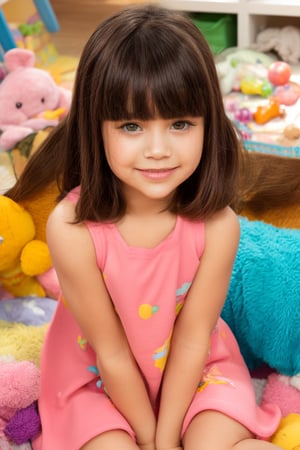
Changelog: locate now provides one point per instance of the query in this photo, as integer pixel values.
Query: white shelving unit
(252, 15)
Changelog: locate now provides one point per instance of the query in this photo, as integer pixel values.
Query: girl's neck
(147, 221)
(141, 206)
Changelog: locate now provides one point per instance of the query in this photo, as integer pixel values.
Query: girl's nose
(158, 147)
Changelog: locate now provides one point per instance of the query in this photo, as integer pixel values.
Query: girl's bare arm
(74, 259)
(191, 336)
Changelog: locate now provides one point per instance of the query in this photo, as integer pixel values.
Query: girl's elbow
(198, 347)
(114, 361)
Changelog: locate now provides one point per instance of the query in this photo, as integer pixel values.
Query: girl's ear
(19, 58)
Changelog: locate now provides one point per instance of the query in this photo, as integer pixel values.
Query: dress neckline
(147, 251)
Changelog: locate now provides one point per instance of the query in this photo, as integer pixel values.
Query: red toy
(279, 73)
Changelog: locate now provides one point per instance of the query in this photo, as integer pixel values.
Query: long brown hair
(142, 62)
(268, 182)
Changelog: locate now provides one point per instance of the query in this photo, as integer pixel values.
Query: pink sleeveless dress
(148, 288)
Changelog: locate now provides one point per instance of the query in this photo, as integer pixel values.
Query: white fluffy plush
(284, 41)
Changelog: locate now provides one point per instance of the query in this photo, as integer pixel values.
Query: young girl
(143, 241)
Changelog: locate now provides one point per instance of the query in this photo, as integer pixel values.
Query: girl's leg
(115, 439)
(212, 430)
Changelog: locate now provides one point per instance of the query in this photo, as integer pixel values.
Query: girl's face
(152, 157)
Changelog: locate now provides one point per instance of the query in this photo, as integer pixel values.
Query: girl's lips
(157, 174)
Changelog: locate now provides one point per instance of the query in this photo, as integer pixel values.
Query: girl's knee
(118, 439)
(214, 430)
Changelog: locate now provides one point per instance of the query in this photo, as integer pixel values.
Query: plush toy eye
(19, 105)
(42, 100)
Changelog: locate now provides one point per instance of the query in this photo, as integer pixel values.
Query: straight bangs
(145, 81)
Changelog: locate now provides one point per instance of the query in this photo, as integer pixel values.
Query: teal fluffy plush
(263, 302)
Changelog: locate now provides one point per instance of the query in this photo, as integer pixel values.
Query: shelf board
(274, 7)
(216, 6)
(252, 15)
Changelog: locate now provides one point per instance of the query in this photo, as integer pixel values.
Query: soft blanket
(263, 303)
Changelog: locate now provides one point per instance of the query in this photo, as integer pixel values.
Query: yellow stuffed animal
(21, 256)
(287, 436)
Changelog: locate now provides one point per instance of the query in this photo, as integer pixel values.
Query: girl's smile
(157, 174)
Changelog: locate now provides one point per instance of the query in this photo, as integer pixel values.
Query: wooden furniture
(252, 15)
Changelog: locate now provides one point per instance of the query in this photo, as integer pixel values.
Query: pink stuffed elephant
(30, 100)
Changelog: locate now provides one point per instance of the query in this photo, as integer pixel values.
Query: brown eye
(19, 105)
(42, 100)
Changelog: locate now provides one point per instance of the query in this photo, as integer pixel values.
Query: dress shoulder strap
(96, 231)
(73, 195)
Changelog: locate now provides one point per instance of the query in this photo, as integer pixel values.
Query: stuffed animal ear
(19, 57)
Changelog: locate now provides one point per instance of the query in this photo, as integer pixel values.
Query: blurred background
(78, 18)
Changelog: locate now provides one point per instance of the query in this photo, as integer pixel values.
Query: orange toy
(268, 112)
